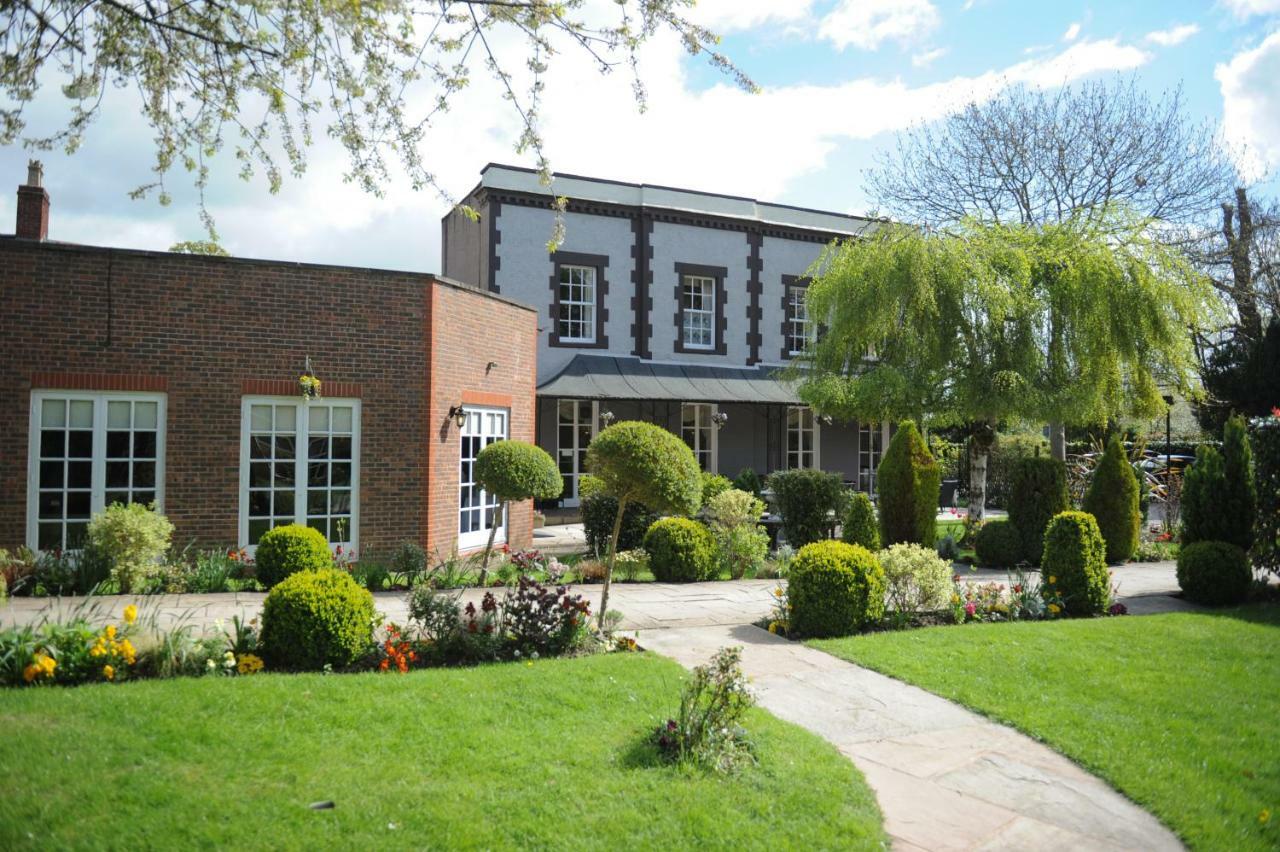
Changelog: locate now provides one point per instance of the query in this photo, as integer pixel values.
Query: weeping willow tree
(1075, 322)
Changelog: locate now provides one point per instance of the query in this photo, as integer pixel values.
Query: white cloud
(728, 15)
(718, 139)
(1249, 8)
(928, 57)
(1072, 32)
(866, 24)
(1173, 36)
(1251, 106)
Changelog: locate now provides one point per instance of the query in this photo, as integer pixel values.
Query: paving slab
(945, 778)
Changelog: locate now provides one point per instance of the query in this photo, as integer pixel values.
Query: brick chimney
(33, 205)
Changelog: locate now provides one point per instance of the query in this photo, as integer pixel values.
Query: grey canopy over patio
(608, 377)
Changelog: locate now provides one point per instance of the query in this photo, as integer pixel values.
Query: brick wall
(208, 330)
(470, 329)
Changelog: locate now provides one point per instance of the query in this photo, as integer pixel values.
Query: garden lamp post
(1168, 439)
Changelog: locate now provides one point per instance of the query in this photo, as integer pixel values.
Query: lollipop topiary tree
(512, 471)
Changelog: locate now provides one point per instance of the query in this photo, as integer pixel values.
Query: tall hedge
(1112, 499)
(1266, 472)
(807, 499)
(909, 481)
(1239, 502)
(1038, 492)
(1074, 564)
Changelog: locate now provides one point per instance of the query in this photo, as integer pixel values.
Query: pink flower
(970, 609)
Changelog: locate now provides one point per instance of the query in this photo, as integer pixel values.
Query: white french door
(576, 423)
(697, 427)
(477, 508)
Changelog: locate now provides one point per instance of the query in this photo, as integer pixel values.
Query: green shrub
(916, 578)
(860, 524)
(998, 545)
(1038, 492)
(1074, 564)
(749, 481)
(286, 550)
(733, 517)
(1214, 573)
(834, 589)
(714, 484)
(1112, 499)
(909, 482)
(807, 500)
(515, 470)
(316, 618)
(132, 538)
(1266, 474)
(598, 514)
(681, 551)
(1219, 502)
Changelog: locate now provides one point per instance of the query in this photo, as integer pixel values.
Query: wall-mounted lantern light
(459, 415)
(606, 417)
(719, 419)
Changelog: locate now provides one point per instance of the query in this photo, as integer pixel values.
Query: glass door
(477, 508)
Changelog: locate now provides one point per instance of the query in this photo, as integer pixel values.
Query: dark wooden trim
(598, 262)
(755, 289)
(642, 279)
(789, 281)
(719, 326)
(495, 237)
(662, 214)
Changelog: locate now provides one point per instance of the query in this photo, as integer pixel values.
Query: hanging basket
(310, 386)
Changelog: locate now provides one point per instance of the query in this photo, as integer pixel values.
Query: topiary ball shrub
(909, 482)
(314, 618)
(1038, 492)
(681, 551)
(286, 550)
(1112, 499)
(1074, 564)
(1214, 573)
(860, 524)
(998, 545)
(809, 501)
(834, 589)
(515, 470)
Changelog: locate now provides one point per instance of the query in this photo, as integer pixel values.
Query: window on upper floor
(577, 316)
(698, 312)
(578, 291)
(799, 329)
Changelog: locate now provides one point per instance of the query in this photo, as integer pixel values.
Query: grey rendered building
(666, 305)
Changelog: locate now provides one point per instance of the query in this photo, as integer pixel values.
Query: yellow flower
(108, 672)
(1052, 579)
(777, 593)
(773, 627)
(130, 614)
(1055, 609)
(249, 664)
(110, 631)
(1265, 816)
(955, 599)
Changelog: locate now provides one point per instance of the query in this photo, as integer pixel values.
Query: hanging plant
(310, 386)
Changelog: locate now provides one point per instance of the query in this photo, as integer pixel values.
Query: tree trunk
(608, 569)
(1058, 441)
(488, 548)
(1238, 245)
(980, 442)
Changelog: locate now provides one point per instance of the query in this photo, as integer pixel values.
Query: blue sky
(840, 77)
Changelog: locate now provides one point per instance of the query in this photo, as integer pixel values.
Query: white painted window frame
(588, 321)
(478, 538)
(98, 475)
(578, 471)
(708, 310)
(302, 427)
(710, 430)
(799, 326)
(817, 437)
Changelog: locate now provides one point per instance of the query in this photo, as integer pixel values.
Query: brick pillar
(33, 205)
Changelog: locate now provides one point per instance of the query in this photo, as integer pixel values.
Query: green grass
(552, 755)
(1181, 712)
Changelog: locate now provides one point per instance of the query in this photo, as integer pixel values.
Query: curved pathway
(945, 778)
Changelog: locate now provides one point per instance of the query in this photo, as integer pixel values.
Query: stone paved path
(1143, 588)
(946, 778)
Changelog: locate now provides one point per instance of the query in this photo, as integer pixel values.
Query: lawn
(1180, 712)
(549, 755)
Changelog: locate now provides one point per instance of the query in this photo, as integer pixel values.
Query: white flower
(210, 664)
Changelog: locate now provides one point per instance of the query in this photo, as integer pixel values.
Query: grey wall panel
(674, 244)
